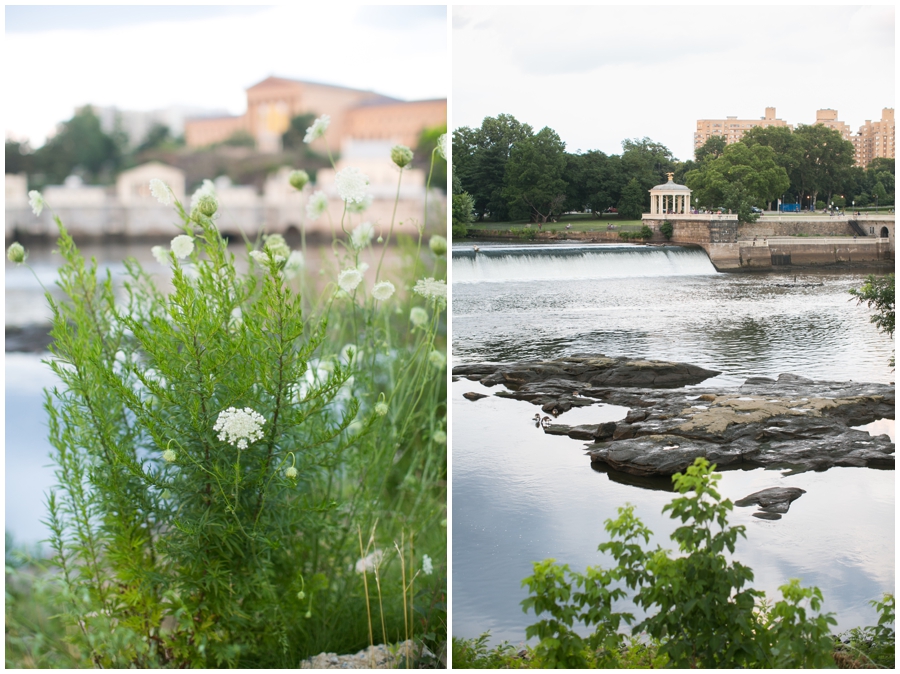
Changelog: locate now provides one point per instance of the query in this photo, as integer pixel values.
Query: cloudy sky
(144, 58)
(598, 75)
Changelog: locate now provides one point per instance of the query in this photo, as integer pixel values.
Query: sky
(60, 57)
(600, 74)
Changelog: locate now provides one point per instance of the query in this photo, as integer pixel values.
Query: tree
(878, 294)
(159, 136)
(633, 201)
(19, 157)
(534, 186)
(714, 147)
(822, 160)
(594, 181)
(80, 146)
(646, 160)
(742, 177)
(292, 139)
(422, 156)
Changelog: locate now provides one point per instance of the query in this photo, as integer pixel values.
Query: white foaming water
(499, 265)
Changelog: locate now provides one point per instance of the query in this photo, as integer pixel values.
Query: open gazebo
(670, 198)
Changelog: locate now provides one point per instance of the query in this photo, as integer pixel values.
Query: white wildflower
(362, 266)
(351, 184)
(431, 289)
(160, 254)
(169, 456)
(427, 566)
(207, 188)
(294, 264)
(370, 562)
(382, 290)
(239, 427)
(317, 204)
(291, 473)
(418, 316)
(359, 206)
(259, 257)
(317, 130)
(276, 245)
(361, 236)
(161, 191)
(442, 145)
(381, 408)
(437, 359)
(16, 253)
(36, 201)
(440, 437)
(182, 245)
(349, 279)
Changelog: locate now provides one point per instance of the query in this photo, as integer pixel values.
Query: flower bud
(438, 245)
(169, 456)
(17, 253)
(277, 246)
(207, 205)
(301, 595)
(291, 473)
(401, 155)
(298, 179)
(381, 408)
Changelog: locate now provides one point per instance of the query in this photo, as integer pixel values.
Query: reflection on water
(520, 495)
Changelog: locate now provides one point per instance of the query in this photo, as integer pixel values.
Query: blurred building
(732, 128)
(272, 103)
(829, 118)
(136, 124)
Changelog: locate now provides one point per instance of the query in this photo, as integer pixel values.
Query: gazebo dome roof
(671, 186)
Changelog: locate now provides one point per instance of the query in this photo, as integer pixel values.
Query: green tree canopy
(534, 184)
(712, 148)
(422, 156)
(80, 147)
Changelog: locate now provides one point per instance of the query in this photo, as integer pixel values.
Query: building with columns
(670, 198)
(354, 114)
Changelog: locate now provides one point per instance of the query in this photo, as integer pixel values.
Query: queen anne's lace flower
(294, 264)
(351, 184)
(362, 235)
(207, 188)
(182, 245)
(431, 289)
(418, 316)
(160, 254)
(438, 245)
(317, 130)
(291, 473)
(359, 206)
(298, 179)
(401, 155)
(36, 201)
(239, 427)
(442, 145)
(437, 359)
(276, 244)
(259, 257)
(169, 456)
(16, 253)
(370, 562)
(381, 408)
(427, 566)
(349, 279)
(317, 204)
(440, 437)
(161, 191)
(382, 290)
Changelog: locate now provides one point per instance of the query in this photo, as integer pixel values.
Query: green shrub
(701, 611)
(667, 229)
(646, 232)
(234, 460)
(476, 654)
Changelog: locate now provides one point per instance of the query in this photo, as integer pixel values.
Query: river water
(520, 496)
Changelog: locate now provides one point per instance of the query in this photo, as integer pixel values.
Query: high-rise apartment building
(875, 139)
(732, 128)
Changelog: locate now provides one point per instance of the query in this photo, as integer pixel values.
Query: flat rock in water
(773, 502)
(471, 395)
(792, 422)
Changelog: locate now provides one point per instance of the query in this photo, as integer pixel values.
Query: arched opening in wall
(884, 233)
(292, 235)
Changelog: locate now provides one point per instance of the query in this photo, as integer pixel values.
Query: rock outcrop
(792, 422)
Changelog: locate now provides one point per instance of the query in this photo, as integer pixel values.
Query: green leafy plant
(700, 609)
(867, 647)
(220, 446)
(667, 229)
